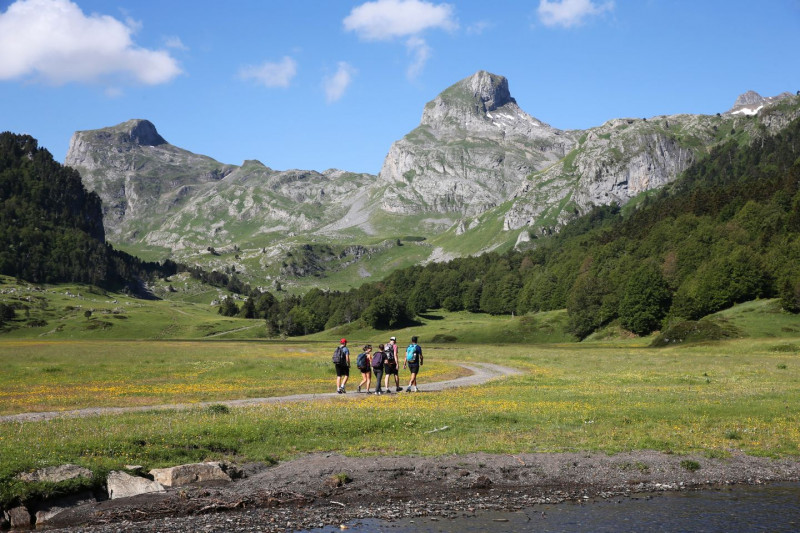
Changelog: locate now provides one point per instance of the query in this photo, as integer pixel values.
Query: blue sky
(331, 84)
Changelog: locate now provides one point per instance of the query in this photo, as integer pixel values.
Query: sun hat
(392, 338)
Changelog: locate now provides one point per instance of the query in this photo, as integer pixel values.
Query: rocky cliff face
(475, 149)
(137, 174)
(157, 194)
(472, 149)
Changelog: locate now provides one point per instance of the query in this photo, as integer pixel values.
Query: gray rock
(474, 146)
(55, 474)
(49, 510)
(18, 518)
(177, 476)
(124, 485)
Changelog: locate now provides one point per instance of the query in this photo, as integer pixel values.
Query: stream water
(773, 508)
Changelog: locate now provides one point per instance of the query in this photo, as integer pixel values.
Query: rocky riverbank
(329, 489)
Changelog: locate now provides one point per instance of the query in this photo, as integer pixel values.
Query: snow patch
(747, 111)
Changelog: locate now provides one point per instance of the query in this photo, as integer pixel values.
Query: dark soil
(329, 489)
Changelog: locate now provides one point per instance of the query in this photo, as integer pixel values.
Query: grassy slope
(463, 327)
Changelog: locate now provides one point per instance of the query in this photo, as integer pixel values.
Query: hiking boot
(399, 389)
(339, 390)
(358, 389)
(408, 389)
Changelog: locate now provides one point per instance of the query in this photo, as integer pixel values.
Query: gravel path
(481, 373)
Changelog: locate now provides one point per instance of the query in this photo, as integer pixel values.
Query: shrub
(691, 331)
(691, 466)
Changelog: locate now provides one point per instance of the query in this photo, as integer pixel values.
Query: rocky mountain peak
(750, 103)
(142, 132)
(748, 98)
(467, 100)
(490, 89)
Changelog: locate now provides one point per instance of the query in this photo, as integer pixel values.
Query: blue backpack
(361, 360)
(412, 353)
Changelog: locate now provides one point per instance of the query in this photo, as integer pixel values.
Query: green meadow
(611, 394)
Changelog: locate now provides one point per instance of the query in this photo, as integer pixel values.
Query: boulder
(19, 518)
(177, 476)
(55, 474)
(123, 485)
(50, 509)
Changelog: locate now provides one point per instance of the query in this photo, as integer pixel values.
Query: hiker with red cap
(341, 360)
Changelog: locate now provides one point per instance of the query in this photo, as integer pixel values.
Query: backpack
(412, 353)
(390, 357)
(361, 360)
(338, 356)
(377, 360)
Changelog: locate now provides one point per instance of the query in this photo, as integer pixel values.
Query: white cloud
(337, 84)
(176, 43)
(568, 13)
(421, 52)
(268, 74)
(387, 19)
(55, 42)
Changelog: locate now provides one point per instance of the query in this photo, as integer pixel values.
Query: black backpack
(377, 360)
(338, 356)
(390, 357)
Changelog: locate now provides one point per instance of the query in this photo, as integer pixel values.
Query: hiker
(341, 360)
(363, 362)
(390, 367)
(413, 361)
(377, 367)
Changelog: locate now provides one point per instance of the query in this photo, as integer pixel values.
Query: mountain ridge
(478, 173)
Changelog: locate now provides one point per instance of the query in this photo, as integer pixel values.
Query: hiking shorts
(342, 370)
(364, 369)
(413, 368)
(391, 370)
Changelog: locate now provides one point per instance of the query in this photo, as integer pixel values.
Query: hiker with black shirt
(391, 366)
(377, 367)
(341, 360)
(363, 362)
(413, 361)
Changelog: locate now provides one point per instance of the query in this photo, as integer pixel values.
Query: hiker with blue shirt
(413, 361)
